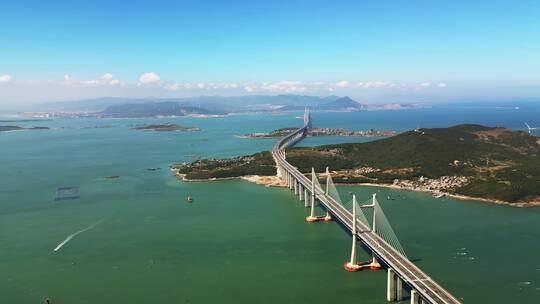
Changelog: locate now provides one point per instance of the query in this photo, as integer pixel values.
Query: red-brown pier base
(374, 265)
(355, 267)
(351, 267)
(311, 219)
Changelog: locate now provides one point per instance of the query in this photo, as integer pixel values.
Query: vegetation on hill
(260, 163)
(134, 110)
(498, 163)
(165, 127)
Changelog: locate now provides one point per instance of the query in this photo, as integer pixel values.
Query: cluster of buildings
(366, 170)
(323, 132)
(436, 185)
(343, 132)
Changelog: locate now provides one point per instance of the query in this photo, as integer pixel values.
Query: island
(19, 128)
(466, 161)
(158, 109)
(321, 132)
(166, 127)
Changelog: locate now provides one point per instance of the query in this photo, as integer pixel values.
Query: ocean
(237, 242)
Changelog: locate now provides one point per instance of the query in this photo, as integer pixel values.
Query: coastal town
(323, 132)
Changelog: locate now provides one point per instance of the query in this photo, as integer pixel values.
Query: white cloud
(5, 78)
(150, 77)
(441, 85)
(425, 84)
(106, 77)
(284, 86)
(250, 88)
(374, 84)
(342, 84)
(230, 86)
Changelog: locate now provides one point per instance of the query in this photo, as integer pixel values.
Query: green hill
(472, 160)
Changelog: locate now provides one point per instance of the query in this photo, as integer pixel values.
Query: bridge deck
(405, 269)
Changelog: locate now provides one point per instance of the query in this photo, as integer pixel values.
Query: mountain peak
(342, 104)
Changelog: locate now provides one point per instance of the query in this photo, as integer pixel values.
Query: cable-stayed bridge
(367, 224)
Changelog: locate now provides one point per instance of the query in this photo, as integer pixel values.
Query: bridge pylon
(374, 265)
(312, 217)
(352, 264)
(327, 217)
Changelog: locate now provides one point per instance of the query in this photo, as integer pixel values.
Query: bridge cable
(385, 231)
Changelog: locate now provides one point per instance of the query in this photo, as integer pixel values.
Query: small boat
(438, 195)
(190, 199)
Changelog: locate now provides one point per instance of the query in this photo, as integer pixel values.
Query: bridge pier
(399, 289)
(374, 265)
(415, 298)
(295, 187)
(390, 286)
(328, 217)
(290, 181)
(306, 194)
(300, 192)
(394, 291)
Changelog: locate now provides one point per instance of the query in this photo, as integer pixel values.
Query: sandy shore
(268, 181)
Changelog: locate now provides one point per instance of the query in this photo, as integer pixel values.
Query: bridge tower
(352, 265)
(312, 217)
(307, 118)
(374, 265)
(327, 217)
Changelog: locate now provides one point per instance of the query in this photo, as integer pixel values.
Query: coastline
(275, 181)
(453, 195)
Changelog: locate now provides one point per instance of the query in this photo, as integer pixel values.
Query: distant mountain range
(212, 105)
(153, 109)
(216, 102)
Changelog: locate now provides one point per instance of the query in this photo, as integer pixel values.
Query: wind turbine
(530, 130)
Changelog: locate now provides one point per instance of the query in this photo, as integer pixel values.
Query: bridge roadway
(426, 287)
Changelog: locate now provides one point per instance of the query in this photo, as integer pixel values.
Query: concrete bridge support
(415, 298)
(306, 197)
(399, 289)
(300, 192)
(394, 291)
(295, 187)
(290, 181)
(391, 286)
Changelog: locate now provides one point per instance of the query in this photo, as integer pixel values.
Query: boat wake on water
(71, 236)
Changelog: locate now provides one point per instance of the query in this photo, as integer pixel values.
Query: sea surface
(139, 241)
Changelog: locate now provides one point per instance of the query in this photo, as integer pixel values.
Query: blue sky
(368, 49)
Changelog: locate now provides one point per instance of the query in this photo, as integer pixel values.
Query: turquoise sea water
(237, 242)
